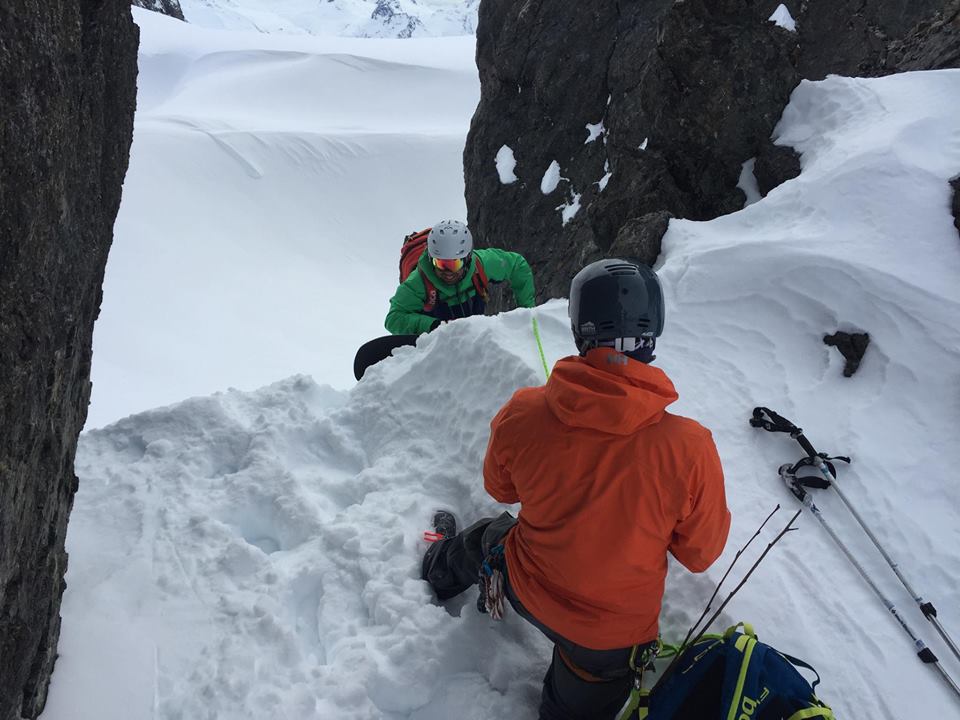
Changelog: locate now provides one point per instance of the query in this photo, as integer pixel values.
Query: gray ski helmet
(449, 240)
(614, 298)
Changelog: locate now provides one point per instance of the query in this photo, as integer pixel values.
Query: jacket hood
(607, 391)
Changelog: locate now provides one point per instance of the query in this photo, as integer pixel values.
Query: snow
(506, 163)
(551, 178)
(256, 554)
(570, 208)
(594, 131)
(608, 173)
(356, 18)
(782, 17)
(272, 180)
(643, 145)
(748, 183)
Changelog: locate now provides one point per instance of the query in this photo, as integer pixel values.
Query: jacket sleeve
(406, 316)
(496, 465)
(510, 267)
(701, 533)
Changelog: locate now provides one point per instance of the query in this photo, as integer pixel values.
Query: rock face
(931, 45)
(775, 165)
(66, 115)
(167, 7)
(593, 116)
(850, 37)
(644, 107)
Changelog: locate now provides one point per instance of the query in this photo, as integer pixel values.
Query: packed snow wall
(66, 114)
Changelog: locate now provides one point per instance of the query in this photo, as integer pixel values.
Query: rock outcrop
(932, 45)
(593, 116)
(851, 37)
(775, 165)
(66, 116)
(853, 346)
(614, 111)
(167, 7)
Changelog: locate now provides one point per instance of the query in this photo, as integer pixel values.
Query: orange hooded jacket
(608, 482)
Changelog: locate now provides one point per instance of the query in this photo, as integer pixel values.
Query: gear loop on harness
(492, 586)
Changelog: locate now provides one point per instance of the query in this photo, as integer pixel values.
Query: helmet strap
(642, 351)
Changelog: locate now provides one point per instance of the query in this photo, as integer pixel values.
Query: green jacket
(406, 316)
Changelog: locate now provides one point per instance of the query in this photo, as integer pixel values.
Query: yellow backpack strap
(813, 712)
(747, 630)
(638, 702)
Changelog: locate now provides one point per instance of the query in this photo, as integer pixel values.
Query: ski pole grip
(769, 420)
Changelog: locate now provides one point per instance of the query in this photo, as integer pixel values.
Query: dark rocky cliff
(67, 96)
(851, 37)
(686, 91)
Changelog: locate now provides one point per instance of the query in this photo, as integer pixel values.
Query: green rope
(543, 359)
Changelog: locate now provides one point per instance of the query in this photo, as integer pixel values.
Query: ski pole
(772, 422)
(925, 654)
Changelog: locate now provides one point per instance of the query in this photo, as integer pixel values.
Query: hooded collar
(608, 391)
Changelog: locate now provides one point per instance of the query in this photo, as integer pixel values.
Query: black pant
(580, 684)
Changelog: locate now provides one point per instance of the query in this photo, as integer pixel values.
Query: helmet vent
(606, 325)
(621, 269)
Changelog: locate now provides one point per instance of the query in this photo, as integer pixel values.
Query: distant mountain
(167, 7)
(352, 18)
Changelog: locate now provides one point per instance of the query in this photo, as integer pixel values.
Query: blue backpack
(732, 676)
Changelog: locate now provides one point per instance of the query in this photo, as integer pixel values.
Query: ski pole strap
(772, 422)
(816, 481)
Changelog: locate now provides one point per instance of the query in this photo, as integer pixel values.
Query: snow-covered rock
(356, 18)
(782, 17)
(166, 7)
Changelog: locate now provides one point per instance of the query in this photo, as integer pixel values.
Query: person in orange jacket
(609, 483)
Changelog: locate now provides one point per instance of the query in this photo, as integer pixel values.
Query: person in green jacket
(451, 281)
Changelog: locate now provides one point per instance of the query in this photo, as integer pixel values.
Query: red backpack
(413, 246)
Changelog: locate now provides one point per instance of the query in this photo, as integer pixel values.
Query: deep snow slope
(256, 555)
(271, 182)
(355, 18)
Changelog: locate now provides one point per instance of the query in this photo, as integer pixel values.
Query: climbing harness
(492, 591)
(639, 700)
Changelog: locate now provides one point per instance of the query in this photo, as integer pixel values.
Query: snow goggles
(454, 265)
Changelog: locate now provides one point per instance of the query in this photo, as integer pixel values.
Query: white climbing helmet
(449, 240)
